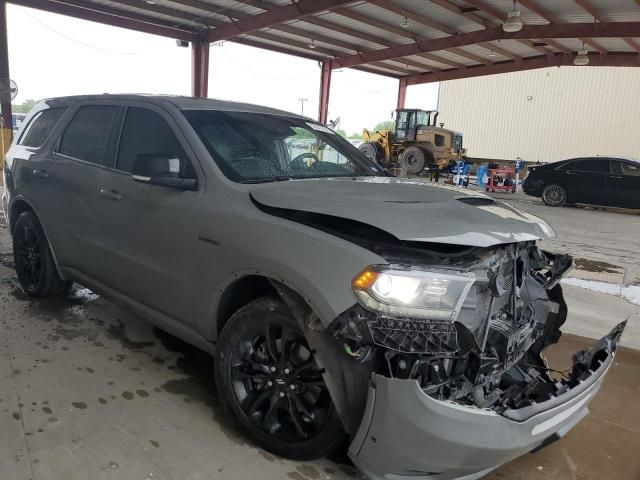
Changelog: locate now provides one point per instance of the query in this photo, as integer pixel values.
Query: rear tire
(34, 263)
(554, 195)
(269, 382)
(413, 160)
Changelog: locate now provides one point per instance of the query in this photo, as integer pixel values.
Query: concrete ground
(89, 391)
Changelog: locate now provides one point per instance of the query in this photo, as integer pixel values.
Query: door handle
(110, 194)
(39, 173)
(615, 176)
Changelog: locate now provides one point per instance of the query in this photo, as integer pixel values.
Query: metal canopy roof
(416, 40)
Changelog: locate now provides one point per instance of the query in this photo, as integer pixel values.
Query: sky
(52, 55)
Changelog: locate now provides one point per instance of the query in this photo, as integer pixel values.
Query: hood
(410, 210)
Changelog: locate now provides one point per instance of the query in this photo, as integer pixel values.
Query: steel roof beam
(104, 15)
(290, 29)
(552, 19)
(320, 22)
(392, 7)
(489, 9)
(502, 16)
(542, 61)
(395, 30)
(568, 30)
(272, 17)
(586, 5)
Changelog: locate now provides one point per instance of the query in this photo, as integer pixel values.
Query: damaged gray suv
(340, 303)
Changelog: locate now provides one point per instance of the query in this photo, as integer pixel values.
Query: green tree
(356, 136)
(24, 107)
(342, 133)
(386, 125)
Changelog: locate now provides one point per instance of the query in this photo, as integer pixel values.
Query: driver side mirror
(163, 170)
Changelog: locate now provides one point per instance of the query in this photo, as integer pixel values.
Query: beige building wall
(548, 114)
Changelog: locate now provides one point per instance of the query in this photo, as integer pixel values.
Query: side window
(85, 138)
(598, 165)
(40, 127)
(617, 167)
(630, 169)
(569, 165)
(439, 140)
(146, 134)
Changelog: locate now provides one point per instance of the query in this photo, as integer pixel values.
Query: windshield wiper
(277, 178)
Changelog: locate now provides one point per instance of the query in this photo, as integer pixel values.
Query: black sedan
(606, 181)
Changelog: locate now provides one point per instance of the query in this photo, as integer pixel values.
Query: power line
(259, 74)
(75, 40)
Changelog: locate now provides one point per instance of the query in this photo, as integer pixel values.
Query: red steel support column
(325, 85)
(402, 92)
(199, 68)
(5, 101)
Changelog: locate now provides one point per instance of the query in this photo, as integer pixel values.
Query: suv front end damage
(452, 347)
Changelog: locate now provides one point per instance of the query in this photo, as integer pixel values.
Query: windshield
(256, 147)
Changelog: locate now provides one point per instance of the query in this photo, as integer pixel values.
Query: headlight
(430, 294)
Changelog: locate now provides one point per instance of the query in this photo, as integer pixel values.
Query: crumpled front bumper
(405, 433)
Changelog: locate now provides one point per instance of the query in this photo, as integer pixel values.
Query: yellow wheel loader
(417, 144)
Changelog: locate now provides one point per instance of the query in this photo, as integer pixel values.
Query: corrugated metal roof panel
(374, 25)
(394, 21)
(361, 27)
(162, 13)
(441, 15)
(614, 44)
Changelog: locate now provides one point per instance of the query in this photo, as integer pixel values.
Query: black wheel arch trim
(347, 379)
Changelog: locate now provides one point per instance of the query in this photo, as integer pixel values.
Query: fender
(11, 222)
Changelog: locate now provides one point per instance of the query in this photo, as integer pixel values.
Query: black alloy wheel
(272, 384)
(554, 195)
(34, 263)
(28, 257)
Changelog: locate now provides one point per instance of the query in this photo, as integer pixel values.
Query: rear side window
(592, 165)
(40, 127)
(87, 134)
(624, 168)
(145, 133)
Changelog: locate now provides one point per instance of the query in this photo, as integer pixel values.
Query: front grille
(480, 314)
(414, 336)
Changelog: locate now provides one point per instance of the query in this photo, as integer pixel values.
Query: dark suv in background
(606, 181)
(338, 301)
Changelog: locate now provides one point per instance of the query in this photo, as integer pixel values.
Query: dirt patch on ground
(596, 266)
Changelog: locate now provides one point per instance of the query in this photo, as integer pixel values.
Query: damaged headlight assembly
(413, 293)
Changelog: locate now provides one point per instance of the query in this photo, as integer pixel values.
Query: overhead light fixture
(582, 58)
(406, 23)
(182, 43)
(150, 2)
(492, 53)
(512, 23)
(312, 45)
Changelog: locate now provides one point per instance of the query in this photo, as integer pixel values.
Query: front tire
(554, 195)
(372, 150)
(413, 160)
(270, 383)
(34, 263)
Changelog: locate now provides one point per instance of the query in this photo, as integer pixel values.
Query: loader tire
(413, 160)
(372, 150)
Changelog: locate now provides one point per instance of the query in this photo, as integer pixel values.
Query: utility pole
(302, 100)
